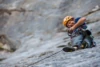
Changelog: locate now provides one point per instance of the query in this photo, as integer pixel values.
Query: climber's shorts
(77, 41)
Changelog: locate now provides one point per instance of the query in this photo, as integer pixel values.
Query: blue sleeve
(76, 20)
(84, 26)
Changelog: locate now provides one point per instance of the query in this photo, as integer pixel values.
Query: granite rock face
(35, 29)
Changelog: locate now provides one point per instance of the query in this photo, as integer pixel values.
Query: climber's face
(70, 23)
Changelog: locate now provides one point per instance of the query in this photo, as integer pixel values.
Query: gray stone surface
(35, 26)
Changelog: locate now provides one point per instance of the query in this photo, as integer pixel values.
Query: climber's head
(68, 21)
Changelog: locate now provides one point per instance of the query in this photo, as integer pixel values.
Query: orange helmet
(66, 19)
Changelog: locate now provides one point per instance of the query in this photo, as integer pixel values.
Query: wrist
(74, 27)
